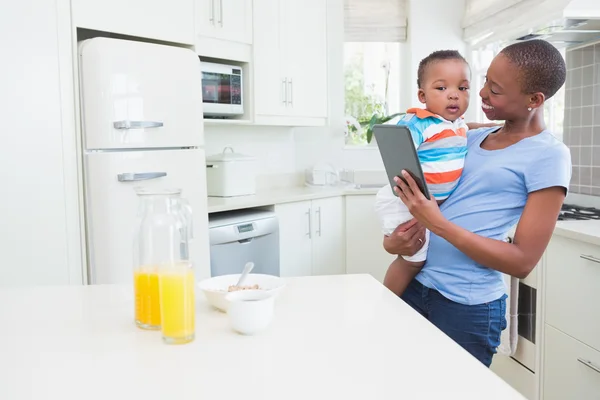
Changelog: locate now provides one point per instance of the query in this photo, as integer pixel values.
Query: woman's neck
(529, 126)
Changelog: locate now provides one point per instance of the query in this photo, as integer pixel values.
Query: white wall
(283, 150)
(429, 31)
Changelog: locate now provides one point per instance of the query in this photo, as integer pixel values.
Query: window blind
(375, 20)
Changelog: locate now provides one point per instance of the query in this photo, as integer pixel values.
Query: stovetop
(573, 212)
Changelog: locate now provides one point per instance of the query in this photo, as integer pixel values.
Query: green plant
(375, 120)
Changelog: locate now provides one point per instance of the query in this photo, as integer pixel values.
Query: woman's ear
(536, 100)
(421, 96)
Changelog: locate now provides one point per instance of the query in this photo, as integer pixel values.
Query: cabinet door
(36, 202)
(305, 52)
(364, 239)
(571, 369)
(572, 283)
(235, 19)
(206, 18)
(229, 20)
(328, 236)
(295, 238)
(269, 85)
(171, 21)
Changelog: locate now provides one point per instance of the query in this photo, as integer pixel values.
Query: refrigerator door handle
(136, 124)
(133, 177)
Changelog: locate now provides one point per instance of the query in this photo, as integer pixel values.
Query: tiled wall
(582, 118)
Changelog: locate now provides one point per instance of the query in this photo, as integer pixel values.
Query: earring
(529, 108)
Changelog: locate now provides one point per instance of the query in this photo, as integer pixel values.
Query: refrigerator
(142, 126)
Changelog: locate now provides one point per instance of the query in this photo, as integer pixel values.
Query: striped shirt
(441, 147)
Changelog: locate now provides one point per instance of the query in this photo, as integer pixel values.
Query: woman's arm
(532, 236)
(518, 258)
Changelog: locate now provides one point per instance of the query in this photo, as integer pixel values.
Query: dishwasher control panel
(242, 236)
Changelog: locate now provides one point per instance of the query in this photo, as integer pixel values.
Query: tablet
(398, 153)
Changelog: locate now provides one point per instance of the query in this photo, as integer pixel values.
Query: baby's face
(445, 89)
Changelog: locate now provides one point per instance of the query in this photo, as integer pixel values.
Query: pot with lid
(230, 174)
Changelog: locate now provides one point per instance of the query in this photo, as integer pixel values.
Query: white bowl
(215, 289)
(250, 311)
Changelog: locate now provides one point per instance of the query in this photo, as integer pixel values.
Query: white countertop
(584, 231)
(279, 196)
(340, 337)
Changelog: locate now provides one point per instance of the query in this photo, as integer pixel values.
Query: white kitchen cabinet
(571, 369)
(269, 82)
(364, 239)
(573, 289)
(170, 21)
(290, 62)
(311, 235)
(328, 236)
(295, 238)
(305, 52)
(229, 20)
(39, 234)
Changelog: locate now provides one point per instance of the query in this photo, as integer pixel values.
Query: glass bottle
(163, 274)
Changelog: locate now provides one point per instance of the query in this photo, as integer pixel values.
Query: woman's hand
(425, 211)
(406, 240)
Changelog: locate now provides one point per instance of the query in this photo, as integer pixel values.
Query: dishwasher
(237, 237)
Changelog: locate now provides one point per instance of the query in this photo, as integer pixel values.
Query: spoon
(247, 268)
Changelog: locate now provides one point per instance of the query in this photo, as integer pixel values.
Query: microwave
(222, 93)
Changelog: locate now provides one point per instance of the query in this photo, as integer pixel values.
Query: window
(554, 109)
(373, 30)
(372, 85)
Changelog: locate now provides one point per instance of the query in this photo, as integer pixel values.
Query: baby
(439, 134)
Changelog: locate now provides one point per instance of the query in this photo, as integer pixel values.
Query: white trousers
(392, 212)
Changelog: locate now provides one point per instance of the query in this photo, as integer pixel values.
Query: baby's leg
(400, 273)
(392, 212)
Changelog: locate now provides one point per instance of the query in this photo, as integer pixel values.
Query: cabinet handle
(212, 12)
(589, 364)
(221, 13)
(309, 234)
(126, 124)
(144, 176)
(318, 212)
(284, 91)
(590, 258)
(291, 102)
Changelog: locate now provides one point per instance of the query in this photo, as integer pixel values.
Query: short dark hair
(439, 55)
(541, 66)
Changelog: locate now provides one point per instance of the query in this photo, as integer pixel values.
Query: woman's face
(501, 95)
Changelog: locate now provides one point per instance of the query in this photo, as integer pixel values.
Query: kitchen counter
(279, 196)
(585, 231)
(335, 337)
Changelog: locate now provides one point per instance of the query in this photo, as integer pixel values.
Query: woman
(515, 173)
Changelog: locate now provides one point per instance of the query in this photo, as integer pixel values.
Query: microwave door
(210, 87)
(216, 88)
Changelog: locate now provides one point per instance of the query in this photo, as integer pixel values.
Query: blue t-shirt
(489, 201)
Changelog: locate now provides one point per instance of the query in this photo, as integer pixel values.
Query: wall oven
(222, 90)
(526, 319)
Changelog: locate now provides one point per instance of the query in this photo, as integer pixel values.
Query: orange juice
(147, 306)
(177, 304)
